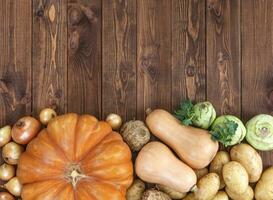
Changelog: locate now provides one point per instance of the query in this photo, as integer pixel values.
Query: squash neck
(74, 174)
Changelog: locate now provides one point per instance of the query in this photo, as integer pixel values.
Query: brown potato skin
(263, 189)
(190, 196)
(221, 195)
(207, 187)
(201, 172)
(235, 177)
(216, 166)
(250, 159)
(136, 190)
(247, 195)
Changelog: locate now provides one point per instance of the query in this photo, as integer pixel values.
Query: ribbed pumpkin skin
(79, 147)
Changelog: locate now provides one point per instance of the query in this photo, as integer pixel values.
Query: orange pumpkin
(76, 158)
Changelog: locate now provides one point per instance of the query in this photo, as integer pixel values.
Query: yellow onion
(46, 115)
(11, 153)
(25, 129)
(13, 186)
(114, 120)
(5, 135)
(6, 172)
(6, 196)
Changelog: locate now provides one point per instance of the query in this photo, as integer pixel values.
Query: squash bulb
(13, 186)
(5, 135)
(25, 129)
(46, 115)
(6, 172)
(6, 196)
(11, 153)
(114, 120)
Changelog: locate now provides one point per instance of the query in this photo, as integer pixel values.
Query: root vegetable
(263, 189)
(6, 172)
(235, 177)
(6, 196)
(250, 159)
(189, 196)
(221, 195)
(114, 120)
(13, 186)
(136, 190)
(207, 187)
(25, 129)
(11, 153)
(135, 134)
(5, 135)
(172, 193)
(247, 195)
(153, 194)
(46, 115)
(201, 172)
(216, 166)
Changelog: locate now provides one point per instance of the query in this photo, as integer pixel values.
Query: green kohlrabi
(200, 115)
(228, 130)
(260, 132)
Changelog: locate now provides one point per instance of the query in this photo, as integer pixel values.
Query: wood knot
(190, 70)
(40, 13)
(75, 16)
(52, 13)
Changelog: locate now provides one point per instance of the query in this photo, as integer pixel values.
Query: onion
(6, 196)
(13, 186)
(25, 129)
(5, 135)
(46, 115)
(11, 153)
(6, 172)
(114, 120)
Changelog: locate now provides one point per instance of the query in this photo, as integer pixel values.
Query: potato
(136, 190)
(250, 159)
(172, 193)
(207, 187)
(153, 194)
(221, 195)
(235, 177)
(264, 187)
(247, 195)
(216, 165)
(190, 196)
(201, 172)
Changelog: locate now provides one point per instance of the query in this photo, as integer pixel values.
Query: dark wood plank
(154, 55)
(188, 51)
(15, 60)
(257, 65)
(224, 55)
(49, 55)
(84, 57)
(119, 58)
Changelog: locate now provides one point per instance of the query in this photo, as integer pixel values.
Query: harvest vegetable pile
(197, 156)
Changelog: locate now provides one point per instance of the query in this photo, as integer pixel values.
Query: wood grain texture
(257, 65)
(154, 55)
(84, 57)
(119, 58)
(188, 51)
(15, 60)
(50, 55)
(223, 56)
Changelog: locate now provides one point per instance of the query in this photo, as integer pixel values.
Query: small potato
(221, 158)
(247, 195)
(190, 196)
(153, 194)
(172, 193)
(201, 172)
(235, 177)
(221, 195)
(136, 190)
(250, 159)
(207, 187)
(264, 187)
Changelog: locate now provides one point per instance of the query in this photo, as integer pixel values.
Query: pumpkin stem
(148, 111)
(74, 174)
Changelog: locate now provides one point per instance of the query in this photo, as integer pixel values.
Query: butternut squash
(156, 163)
(193, 145)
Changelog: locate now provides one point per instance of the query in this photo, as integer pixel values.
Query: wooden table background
(102, 56)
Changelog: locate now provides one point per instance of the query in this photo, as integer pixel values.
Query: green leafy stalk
(224, 132)
(185, 112)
